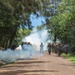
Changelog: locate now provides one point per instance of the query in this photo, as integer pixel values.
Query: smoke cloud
(35, 38)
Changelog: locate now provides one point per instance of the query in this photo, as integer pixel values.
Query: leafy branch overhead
(63, 23)
(15, 14)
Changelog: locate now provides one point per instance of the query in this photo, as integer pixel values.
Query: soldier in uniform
(49, 48)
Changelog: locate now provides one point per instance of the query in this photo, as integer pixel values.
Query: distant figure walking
(49, 48)
(59, 47)
(41, 48)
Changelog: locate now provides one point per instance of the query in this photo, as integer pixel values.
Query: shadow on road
(18, 66)
(16, 72)
(25, 64)
(68, 65)
(30, 62)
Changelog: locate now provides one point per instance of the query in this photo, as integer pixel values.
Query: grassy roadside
(71, 57)
(3, 64)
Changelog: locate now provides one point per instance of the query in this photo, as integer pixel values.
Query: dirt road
(43, 65)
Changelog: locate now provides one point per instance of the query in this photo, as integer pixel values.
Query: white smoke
(11, 56)
(35, 38)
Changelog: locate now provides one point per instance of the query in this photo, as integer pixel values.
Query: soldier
(59, 48)
(49, 48)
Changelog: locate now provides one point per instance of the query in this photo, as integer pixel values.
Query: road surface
(43, 65)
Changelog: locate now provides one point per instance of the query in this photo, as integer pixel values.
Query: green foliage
(40, 27)
(21, 34)
(69, 56)
(16, 13)
(1, 64)
(63, 23)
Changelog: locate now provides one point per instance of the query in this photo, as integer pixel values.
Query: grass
(71, 57)
(1, 64)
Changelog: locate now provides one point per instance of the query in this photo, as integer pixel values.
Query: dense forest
(15, 19)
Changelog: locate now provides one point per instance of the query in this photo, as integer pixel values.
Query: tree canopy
(62, 24)
(15, 14)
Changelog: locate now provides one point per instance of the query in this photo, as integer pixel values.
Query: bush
(70, 57)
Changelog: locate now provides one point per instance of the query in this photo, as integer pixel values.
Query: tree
(21, 33)
(16, 13)
(63, 23)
